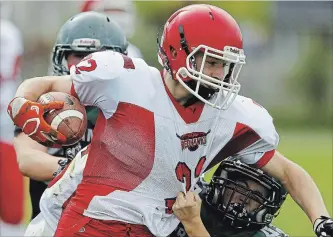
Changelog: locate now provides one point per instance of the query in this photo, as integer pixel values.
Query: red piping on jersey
(190, 114)
(264, 159)
(59, 176)
(243, 137)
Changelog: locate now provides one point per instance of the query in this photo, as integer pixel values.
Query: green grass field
(313, 151)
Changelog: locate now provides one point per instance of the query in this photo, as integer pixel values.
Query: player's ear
(173, 52)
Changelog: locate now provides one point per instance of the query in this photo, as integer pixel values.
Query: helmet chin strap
(205, 92)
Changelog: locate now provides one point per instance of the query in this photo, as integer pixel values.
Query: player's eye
(257, 196)
(218, 63)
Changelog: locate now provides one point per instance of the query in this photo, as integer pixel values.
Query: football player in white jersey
(121, 12)
(156, 133)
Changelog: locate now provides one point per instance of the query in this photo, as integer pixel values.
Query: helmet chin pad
(237, 210)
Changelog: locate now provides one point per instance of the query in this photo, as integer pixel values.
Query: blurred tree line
(309, 83)
(312, 82)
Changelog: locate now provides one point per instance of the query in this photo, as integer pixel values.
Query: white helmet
(120, 11)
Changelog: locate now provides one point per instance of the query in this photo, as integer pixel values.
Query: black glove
(323, 227)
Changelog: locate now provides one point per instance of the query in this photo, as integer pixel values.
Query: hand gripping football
(71, 120)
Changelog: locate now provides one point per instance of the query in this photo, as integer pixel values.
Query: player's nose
(217, 73)
(236, 198)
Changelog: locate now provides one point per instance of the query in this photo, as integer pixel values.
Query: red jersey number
(183, 174)
(91, 66)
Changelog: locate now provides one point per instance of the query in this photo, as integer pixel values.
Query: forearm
(33, 88)
(196, 229)
(298, 183)
(33, 159)
(38, 165)
(308, 196)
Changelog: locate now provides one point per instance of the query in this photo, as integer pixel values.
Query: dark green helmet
(86, 33)
(229, 194)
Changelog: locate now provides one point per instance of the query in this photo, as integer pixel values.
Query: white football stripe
(63, 115)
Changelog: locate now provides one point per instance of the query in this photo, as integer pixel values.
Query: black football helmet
(83, 34)
(227, 182)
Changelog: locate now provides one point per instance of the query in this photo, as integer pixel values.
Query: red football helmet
(216, 34)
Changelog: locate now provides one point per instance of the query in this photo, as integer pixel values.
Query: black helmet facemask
(239, 205)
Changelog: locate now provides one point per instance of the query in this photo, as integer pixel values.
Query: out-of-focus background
(289, 70)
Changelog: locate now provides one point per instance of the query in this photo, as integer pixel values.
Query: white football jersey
(56, 196)
(11, 50)
(146, 147)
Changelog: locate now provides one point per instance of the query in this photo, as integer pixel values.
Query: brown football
(71, 120)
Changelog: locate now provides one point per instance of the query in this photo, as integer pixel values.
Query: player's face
(213, 67)
(75, 58)
(238, 197)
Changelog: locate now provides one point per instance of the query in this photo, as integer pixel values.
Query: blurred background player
(11, 180)
(122, 12)
(239, 201)
(81, 35)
